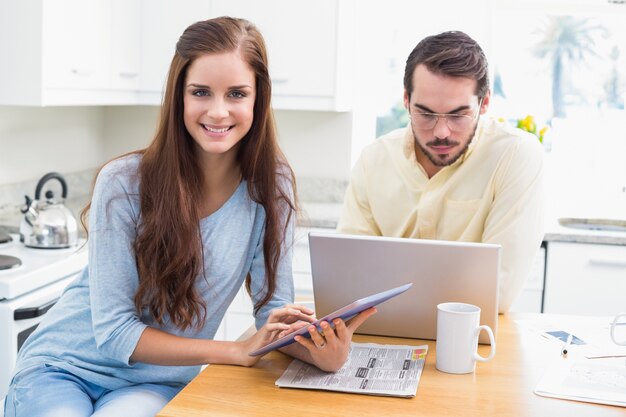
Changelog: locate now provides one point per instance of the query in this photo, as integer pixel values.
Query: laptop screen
(347, 267)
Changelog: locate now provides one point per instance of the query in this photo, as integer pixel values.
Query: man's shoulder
(508, 149)
(510, 137)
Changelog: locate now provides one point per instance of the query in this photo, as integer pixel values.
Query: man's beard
(443, 142)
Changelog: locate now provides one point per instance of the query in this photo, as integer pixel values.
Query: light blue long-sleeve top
(94, 328)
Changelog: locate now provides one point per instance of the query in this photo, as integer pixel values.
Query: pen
(566, 345)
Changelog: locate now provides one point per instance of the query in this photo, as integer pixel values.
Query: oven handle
(32, 312)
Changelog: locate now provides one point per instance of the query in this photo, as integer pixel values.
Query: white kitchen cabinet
(310, 46)
(117, 52)
(97, 52)
(125, 58)
(302, 280)
(302, 276)
(585, 279)
(74, 45)
(162, 23)
(69, 52)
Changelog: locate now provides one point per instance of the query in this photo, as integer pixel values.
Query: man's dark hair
(453, 54)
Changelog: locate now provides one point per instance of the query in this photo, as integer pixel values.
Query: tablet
(344, 313)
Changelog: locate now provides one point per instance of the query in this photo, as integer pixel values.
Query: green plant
(397, 117)
(528, 124)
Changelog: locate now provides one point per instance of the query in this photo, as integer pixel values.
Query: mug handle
(613, 326)
(492, 353)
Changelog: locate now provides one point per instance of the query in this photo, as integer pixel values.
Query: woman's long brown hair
(168, 247)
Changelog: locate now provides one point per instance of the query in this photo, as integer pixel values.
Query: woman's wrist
(243, 358)
(221, 352)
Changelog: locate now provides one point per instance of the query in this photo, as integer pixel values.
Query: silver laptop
(349, 267)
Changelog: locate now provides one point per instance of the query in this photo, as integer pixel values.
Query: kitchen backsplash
(12, 195)
(321, 190)
(315, 194)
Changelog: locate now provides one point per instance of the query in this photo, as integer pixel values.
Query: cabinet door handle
(81, 72)
(615, 263)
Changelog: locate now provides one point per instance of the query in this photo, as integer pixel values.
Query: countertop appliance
(47, 223)
(31, 282)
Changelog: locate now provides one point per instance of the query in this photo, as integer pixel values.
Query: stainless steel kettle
(48, 224)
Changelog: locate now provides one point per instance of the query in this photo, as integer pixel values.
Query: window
(562, 62)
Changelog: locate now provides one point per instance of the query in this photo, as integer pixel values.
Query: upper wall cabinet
(117, 52)
(69, 52)
(163, 21)
(310, 46)
(96, 52)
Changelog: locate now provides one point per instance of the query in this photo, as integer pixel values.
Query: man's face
(445, 142)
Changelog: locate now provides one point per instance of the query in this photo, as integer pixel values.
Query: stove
(8, 262)
(38, 267)
(5, 237)
(29, 287)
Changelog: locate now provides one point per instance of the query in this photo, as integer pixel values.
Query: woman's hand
(329, 350)
(280, 322)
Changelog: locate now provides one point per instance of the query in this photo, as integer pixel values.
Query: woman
(174, 230)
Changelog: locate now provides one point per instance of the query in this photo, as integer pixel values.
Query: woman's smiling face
(218, 101)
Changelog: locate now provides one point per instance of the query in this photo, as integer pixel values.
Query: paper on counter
(602, 382)
(371, 368)
(593, 330)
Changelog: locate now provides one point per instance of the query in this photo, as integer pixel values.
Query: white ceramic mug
(458, 327)
(617, 322)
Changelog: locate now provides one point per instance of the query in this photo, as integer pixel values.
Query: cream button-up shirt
(492, 194)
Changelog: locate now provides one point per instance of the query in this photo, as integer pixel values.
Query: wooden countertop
(502, 387)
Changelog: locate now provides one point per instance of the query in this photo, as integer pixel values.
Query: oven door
(19, 317)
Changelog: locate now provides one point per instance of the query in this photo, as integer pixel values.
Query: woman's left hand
(329, 350)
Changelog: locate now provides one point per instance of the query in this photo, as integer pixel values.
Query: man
(450, 175)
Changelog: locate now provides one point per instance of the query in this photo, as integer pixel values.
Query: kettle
(48, 224)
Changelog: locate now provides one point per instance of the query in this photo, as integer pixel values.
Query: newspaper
(370, 369)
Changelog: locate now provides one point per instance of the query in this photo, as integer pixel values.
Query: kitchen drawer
(301, 256)
(586, 279)
(303, 280)
(303, 285)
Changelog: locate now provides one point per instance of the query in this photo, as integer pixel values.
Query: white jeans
(49, 391)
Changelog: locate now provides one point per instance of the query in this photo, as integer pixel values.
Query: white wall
(127, 128)
(34, 141)
(388, 32)
(37, 140)
(586, 173)
(317, 144)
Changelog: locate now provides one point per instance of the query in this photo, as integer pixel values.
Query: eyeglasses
(455, 122)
